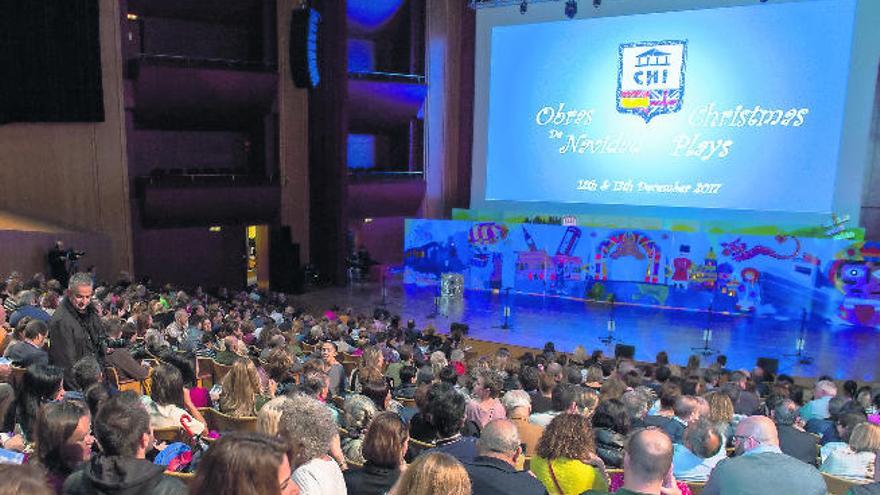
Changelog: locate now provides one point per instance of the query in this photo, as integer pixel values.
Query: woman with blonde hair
(434, 473)
(438, 362)
(270, 415)
(241, 390)
(566, 459)
(856, 460)
(371, 368)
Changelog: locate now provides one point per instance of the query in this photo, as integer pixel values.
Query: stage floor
(842, 351)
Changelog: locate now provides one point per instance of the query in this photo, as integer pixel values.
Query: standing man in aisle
(76, 330)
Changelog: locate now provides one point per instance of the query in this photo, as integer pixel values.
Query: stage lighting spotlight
(523, 7)
(597, 3)
(571, 8)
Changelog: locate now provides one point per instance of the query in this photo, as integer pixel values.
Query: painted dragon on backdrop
(739, 250)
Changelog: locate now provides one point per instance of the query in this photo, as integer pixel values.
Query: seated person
(407, 387)
(122, 428)
(241, 394)
(30, 350)
(167, 402)
(701, 451)
(856, 461)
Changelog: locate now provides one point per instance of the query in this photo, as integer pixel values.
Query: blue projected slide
(737, 108)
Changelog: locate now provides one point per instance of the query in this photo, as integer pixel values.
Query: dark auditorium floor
(839, 350)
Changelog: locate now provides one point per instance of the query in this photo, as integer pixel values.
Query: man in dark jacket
(792, 441)
(493, 471)
(76, 330)
(122, 427)
(30, 350)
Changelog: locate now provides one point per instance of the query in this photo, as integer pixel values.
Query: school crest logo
(650, 78)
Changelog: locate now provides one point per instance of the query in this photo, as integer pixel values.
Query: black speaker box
(769, 365)
(624, 351)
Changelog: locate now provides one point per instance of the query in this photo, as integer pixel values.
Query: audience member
(647, 465)
(702, 450)
(308, 427)
(760, 467)
(793, 440)
(566, 460)
(167, 404)
(485, 407)
(23, 479)
(244, 464)
(493, 471)
(63, 440)
(823, 392)
(122, 429)
(30, 349)
(41, 384)
(241, 394)
(383, 449)
(611, 425)
(445, 409)
(517, 403)
(434, 473)
(856, 461)
(75, 329)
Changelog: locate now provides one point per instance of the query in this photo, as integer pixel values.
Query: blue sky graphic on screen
(735, 108)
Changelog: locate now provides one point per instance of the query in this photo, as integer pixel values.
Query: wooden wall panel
(293, 128)
(75, 175)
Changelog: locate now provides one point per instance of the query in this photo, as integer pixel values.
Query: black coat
(609, 447)
(108, 475)
(73, 336)
(370, 480)
(798, 444)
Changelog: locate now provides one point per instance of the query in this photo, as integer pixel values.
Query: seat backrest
(838, 486)
(17, 377)
(186, 478)
(406, 402)
(169, 434)
(225, 423)
(696, 486)
(220, 370)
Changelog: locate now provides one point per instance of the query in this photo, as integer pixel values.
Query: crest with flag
(650, 77)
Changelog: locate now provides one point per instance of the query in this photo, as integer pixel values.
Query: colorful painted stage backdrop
(778, 276)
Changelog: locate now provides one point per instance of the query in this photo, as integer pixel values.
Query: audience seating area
(248, 367)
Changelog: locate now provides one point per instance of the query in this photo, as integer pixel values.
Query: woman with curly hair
(566, 460)
(721, 414)
(359, 412)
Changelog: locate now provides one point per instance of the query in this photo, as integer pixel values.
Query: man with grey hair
(27, 306)
(760, 467)
(793, 440)
(518, 405)
(75, 330)
(493, 471)
(701, 451)
(308, 428)
(636, 404)
(823, 391)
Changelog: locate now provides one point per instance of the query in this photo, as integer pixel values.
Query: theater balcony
(194, 198)
(385, 194)
(383, 100)
(182, 92)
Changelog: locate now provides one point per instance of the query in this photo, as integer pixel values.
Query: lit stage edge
(843, 351)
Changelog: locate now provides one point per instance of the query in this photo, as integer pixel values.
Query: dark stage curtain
(50, 61)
